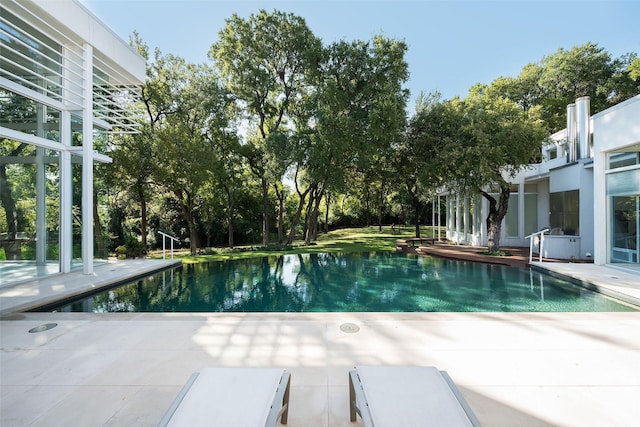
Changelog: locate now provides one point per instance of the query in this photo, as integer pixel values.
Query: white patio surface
(514, 369)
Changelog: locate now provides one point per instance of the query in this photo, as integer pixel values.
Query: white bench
(409, 396)
(239, 397)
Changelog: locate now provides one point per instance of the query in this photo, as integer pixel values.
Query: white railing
(532, 236)
(164, 238)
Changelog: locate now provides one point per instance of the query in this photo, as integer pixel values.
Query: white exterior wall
(543, 204)
(586, 214)
(565, 178)
(614, 129)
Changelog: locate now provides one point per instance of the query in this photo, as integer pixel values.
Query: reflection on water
(363, 282)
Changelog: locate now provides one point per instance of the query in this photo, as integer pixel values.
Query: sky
(452, 45)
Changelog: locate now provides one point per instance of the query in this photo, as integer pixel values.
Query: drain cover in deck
(43, 328)
(349, 328)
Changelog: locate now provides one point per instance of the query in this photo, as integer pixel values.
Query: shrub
(132, 249)
(121, 252)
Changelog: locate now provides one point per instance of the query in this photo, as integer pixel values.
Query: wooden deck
(519, 256)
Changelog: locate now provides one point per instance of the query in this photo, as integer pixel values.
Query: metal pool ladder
(171, 238)
(531, 237)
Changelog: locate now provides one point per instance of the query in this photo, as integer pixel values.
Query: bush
(132, 249)
(121, 252)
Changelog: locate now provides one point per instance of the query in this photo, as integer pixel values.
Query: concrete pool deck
(123, 369)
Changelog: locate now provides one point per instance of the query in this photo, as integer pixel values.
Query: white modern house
(66, 82)
(586, 192)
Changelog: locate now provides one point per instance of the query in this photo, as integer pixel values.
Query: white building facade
(586, 192)
(66, 82)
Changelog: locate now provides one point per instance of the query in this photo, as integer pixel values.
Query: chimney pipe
(583, 131)
(571, 133)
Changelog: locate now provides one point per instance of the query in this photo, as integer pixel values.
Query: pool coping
(25, 296)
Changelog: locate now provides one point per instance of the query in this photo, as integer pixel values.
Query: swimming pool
(359, 282)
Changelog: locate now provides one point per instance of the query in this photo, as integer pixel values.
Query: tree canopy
(281, 126)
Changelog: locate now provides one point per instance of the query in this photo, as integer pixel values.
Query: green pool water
(361, 282)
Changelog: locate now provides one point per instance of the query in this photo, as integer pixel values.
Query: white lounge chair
(238, 397)
(409, 396)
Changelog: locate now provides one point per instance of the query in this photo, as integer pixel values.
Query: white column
(439, 215)
(601, 206)
(66, 197)
(433, 217)
(41, 197)
(458, 219)
(41, 204)
(521, 211)
(87, 162)
(465, 219)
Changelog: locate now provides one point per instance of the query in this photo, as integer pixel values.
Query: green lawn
(366, 239)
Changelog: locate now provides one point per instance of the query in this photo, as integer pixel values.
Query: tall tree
(265, 60)
(558, 79)
(135, 155)
(496, 139)
(418, 156)
(387, 112)
(185, 155)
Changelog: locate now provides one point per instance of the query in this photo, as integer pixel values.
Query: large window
(564, 217)
(511, 219)
(623, 190)
(530, 209)
(28, 116)
(621, 160)
(29, 210)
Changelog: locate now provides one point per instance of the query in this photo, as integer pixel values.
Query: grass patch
(496, 253)
(366, 239)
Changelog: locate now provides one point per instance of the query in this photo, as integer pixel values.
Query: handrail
(530, 236)
(164, 235)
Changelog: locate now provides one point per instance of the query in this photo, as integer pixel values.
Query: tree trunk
(296, 217)
(97, 229)
(416, 213)
(6, 197)
(327, 200)
(380, 205)
(143, 218)
(280, 195)
(412, 191)
(230, 207)
(8, 203)
(265, 212)
(497, 212)
(312, 221)
(194, 240)
(194, 244)
(308, 215)
(367, 205)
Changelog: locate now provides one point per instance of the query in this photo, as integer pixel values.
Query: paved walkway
(28, 295)
(514, 369)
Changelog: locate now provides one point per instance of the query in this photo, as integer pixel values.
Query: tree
(495, 141)
(387, 116)
(418, 156)
(135, 155)
(185, 155)
(265, 61)
(562, 77)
